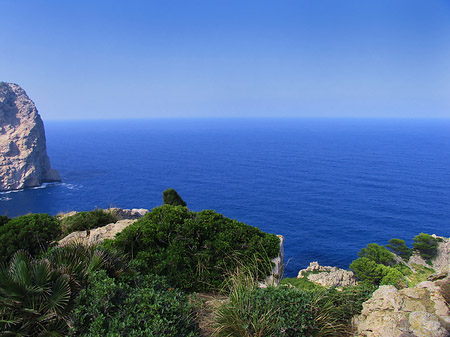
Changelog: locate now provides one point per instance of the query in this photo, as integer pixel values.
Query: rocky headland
(23, 152)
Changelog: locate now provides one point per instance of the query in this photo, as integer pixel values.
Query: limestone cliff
(23, 152)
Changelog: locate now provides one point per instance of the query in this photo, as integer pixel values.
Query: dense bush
(371, 273)
(3, 219)
(194, 250)
(377, 254)
(171, 197)
(141, 306)
(87, 220)
(399, 247)
(426, 245)
(34, 233)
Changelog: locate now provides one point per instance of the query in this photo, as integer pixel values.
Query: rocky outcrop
(23, 153)
(97, 235)
(441, 262)
(412, 312)
(328, 276)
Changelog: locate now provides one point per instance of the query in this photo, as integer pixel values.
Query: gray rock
(134, 213)
(23, 152)
(328, 276)
(97, 235)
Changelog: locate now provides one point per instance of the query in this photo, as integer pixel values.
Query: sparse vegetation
(420, 274)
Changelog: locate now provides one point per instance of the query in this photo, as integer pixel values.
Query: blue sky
(229, 58)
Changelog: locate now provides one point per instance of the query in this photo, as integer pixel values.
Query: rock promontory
(23, 152)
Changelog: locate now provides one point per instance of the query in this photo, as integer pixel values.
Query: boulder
(23, 152)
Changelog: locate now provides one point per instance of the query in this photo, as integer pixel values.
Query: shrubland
(144, 282)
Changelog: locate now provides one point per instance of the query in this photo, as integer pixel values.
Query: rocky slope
(412, 312)
(420, 311)
(23, 153)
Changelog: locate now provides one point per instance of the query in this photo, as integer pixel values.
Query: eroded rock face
(328, 276)
(23, 152)
(418, 312)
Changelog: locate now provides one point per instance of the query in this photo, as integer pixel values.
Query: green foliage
(194, 250)
(426, 245)
(372, 273)
(35, 299)
(367, 271)
(286, 311)
(300, 283)
(86, 220)
(377, 254)
(141, 306)
(3, 219)
(399, 247)
(34, 233)
(79, 260)
(171, 197)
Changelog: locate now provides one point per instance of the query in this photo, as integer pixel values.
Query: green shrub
(34, 233)
(378, 254)
(300, 283)
(426, 245)
(286, 311)
(3, 219)
(194, 250)
(35, 299)
(171, 197)
(87, 220)
(371, 273)
(398, 246)
(138, 306)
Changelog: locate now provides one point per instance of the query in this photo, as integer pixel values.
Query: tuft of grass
(282, 311)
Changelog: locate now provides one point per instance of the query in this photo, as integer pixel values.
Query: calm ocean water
(329, 186)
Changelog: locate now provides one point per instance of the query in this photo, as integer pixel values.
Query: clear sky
(229, 58)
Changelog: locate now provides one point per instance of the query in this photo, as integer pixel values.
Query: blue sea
(330, 186)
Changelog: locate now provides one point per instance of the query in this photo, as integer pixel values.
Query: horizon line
(244, 118)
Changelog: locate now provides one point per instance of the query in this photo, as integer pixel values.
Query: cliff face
(23, 152)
